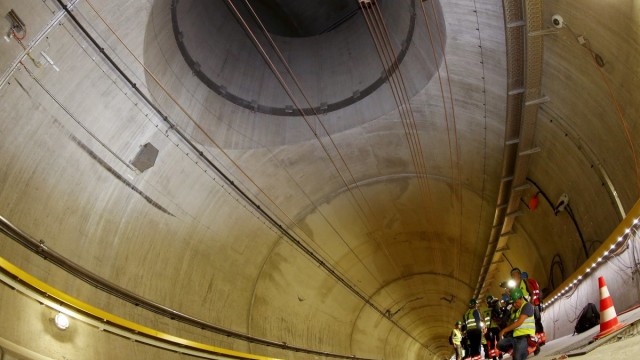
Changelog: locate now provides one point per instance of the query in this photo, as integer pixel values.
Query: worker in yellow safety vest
(491, 325)
(486, 320)
(456, 339)
(521, 328)
(474, 325)
(516, 276)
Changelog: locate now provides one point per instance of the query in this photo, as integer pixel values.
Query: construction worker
(493, 313)
(473, 321)
(516, 276)
(521, 328)
(486, 320)
(521, 278)
(536, 301)
(456, 339)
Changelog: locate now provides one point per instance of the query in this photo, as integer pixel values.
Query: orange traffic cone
(608, 317)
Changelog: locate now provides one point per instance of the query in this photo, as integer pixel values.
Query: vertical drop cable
(294, 240)
(293, 99)
(455, 129)
(391, 67)
(315, 113)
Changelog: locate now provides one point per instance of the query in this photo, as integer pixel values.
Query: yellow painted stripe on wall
(101, 314)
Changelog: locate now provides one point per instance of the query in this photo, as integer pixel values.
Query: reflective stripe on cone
(608, 318)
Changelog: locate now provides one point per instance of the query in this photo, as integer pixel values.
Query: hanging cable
(280, 78)
(393, 71)
(287, 235)
(306, 99)
(206, 134)
(363, 214)
(172, 97)
(599, 63)
(457, 178)
(294, 240)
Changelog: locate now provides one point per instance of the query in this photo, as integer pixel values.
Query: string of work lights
(592, 264)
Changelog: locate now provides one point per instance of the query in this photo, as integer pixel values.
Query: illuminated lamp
(62, 321)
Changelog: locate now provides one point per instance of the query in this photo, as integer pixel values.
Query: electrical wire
(453, 108)
(214, 143)
(317, 247)
(195, 122)
(279, 76)
(614, 100)
(37, 63)
(15, 34)
(166, 134)
(555, 261)
(368, 301)
(386, 52)
(296, 241)
(282, 59)
(274, 69)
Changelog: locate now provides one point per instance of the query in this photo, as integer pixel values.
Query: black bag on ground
(589, 317)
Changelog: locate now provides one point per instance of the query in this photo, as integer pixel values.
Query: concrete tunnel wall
(177, 235)
(620, 273)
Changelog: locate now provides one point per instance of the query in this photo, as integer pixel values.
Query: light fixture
(598, 262)
(511, 284)
(62, 321)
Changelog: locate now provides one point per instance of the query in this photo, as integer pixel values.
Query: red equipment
(534, 291)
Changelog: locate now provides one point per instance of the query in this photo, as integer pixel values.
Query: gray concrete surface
(176, 234)
(582, 346)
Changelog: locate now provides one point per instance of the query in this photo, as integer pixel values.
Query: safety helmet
(525, 275)
(458, 322)
(490, 298)
(472, 303)
(515, 269)
(516, 294)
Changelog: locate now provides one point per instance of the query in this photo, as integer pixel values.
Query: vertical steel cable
(455, 132)
(381, 37)
(294, 100)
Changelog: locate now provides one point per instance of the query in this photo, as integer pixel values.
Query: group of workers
(510, 323)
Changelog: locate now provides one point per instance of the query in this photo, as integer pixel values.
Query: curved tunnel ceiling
(408, 241)
(336, 74)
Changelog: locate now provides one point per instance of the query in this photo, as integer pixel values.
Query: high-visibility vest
(528, 327)
(523, 287)
(456, 336)
(470, 320)
(486, 314)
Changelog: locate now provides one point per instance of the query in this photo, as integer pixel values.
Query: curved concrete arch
(380, 290)
(73, 126)
(383, 179)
